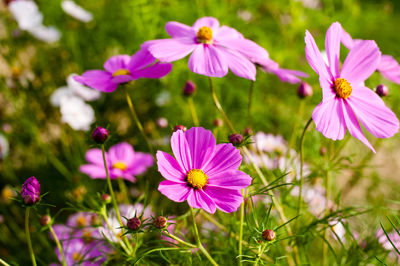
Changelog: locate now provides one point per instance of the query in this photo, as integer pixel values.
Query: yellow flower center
(87, 237)
(197, 178)
(77, 256)
(342, 88)
(120, 72)
(204, 35)
(81, 221)
(120, 165)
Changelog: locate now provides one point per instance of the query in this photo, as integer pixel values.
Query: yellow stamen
(342, 88)
(120, 72)
(77, 256)
(87, 237)
(204, 35)
(81, 221)
(197, 178)
(120, 165)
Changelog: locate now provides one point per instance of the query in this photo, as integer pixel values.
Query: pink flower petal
(226, 157)
(156, 71)
(226, 33)
(118, 173)
(390, 68)
(122, 79)
(373, 114)
(200, 200)
(177, 192)
(121, 152)
(94, 171)
(240, 65)
(233, 179)
(328, 118)
(248, 48)
(210, 22)
(361, 62)
(288, 75)
(347, 40)
(206, 60)
(181, 150)
(169, 168)
(97, 79)
(332, 46)
(353, 125)
(142, 161)
(140, 59)
(95, 156)
(201, 144)
(117, 62)
(168, 50)
(177, 30)
(227, 200)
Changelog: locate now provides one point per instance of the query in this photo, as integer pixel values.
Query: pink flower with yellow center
(346, 100)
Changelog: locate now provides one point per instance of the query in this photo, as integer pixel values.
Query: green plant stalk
(166, 233)
(57, 244)
(199, 245)
(104, 215)
(260, 253)
(123, 189)
(137, 121)
(114, 201)
(193, 111)
(241, 230)
(2, 262)
(249, 119)
(28, 237)
(328, 196)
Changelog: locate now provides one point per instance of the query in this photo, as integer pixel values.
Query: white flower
(86, 93)
(339, 230)
(47, 34)
(60, 93)
(4, 146)
(163, 98)
(76, 113)
(76, 11)
(269, 143)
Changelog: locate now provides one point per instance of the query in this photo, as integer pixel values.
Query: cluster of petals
(121, 69)
(345, 105)
(196, 150)
(122, 161)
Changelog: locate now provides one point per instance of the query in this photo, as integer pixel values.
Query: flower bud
(304, 90)
(235, 139)
(322, 151)
(218, 122)
(44, 220)
(189, 88)
(100, 135)
(30, 191)
(382, 90)
(247, 131)
(162, 122)
(268, 235)
(160, 222)
(179, 127)
(134, 223)
(106, 198)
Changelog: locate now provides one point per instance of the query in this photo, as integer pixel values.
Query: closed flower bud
(304, 90)
(106, 198)
(236, 139)
(218, 122)
(382, 90)
(44, 220)
(179, 127)
(30, 191)
(322, 151)
(100, 135)
(134, 223)
(268, 235)
(160, 222)
(189, 88)
(247, 131)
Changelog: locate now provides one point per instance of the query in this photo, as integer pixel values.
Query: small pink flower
(214, 48)
(122, 161)
(203, 173)
(124, 68)
(346, 100)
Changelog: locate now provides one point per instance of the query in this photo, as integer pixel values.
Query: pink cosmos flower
(285, 75)
(203, 173)
(122, 161)
(388, 66)
(346, 100)
(124, 68)
(214, 48)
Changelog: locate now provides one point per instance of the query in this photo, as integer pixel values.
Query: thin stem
(193, 111)
(199, 245)
(249, 120)
(114, 201)
(2, 262)
(104, 215)
(123, 189)
(28, 237)
(328, 196)
(58, 245)
(301, 166)
(137, 121)
(179, 240)
(241, 231)
(219, 107)
(259, 254)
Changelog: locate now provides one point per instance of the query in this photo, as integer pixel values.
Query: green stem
(241, 231)
(104, 215)
(199, 245)
(193, 111)
(249, 120)
(260, 253)
(179, 240)
(301, 166)
(58, 245)
(328, 196)
(2, 262)
(114, 201)
(28, 237)
(123, 189)
(137, 121)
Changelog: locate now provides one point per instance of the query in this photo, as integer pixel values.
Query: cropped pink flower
(214, 48)
(203, 173)
(122, 161)
(285, 75)
(388, 66)
(346, 101)
(124, 68)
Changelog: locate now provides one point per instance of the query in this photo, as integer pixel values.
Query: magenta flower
(388, 66)
(124, 68)
(214, 48)
(285, 75)
(122, 161)
(203, 173)
(346, 100)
